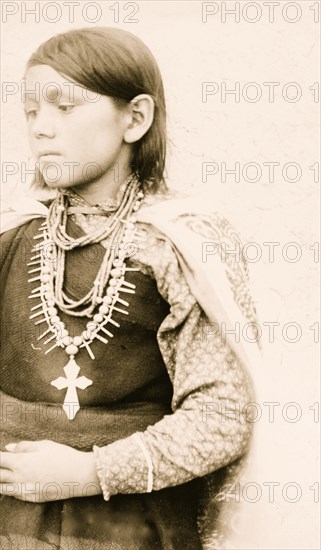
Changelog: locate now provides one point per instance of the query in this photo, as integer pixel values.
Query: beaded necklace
(103, 299)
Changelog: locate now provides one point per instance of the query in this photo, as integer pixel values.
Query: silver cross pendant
(72, 383)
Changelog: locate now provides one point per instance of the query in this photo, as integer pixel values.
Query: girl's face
(75, 135)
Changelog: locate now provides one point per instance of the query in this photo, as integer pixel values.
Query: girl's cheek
(31, 140)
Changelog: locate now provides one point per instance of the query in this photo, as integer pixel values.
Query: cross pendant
(71, 382)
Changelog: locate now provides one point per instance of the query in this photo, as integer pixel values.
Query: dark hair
(118, 64)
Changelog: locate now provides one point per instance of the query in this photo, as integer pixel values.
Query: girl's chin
(59, 184)
(55, 176)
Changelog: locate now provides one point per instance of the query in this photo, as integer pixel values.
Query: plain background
(190, 52)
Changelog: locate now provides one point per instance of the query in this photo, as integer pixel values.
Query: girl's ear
(141, 116)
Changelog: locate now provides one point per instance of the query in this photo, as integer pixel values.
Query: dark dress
(131, 390)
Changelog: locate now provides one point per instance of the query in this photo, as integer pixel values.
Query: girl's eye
(31, 113)
(66, 107)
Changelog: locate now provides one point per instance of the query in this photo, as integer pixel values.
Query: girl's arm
(208, 429)
(210, 425)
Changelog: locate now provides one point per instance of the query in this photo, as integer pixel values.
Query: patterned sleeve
(206, 429)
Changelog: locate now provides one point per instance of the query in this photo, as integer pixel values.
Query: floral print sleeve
(210, 387)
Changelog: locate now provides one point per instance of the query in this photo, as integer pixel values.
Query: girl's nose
(44, 125)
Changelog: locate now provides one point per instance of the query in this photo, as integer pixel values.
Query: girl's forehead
(43, 81)
(44, 73)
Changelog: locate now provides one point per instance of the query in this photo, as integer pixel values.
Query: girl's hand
(40, 471)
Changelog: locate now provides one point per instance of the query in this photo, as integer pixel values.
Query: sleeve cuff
(100, 473)
(124, 466)
(148, 460)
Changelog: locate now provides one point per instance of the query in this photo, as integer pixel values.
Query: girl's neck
(103, 189)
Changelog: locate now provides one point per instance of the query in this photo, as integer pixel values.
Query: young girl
(120, 387)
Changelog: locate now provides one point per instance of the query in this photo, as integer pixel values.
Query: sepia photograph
(160, 275)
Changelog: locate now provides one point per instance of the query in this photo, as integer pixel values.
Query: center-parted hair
(115, 63)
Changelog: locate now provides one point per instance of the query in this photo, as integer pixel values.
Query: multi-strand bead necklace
(105, 296)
